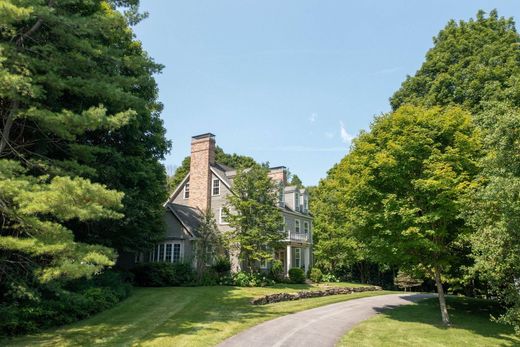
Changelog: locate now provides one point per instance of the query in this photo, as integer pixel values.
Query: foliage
(296, 275)
(476, 64)
(208, 243)
(471, 62)
(162, 274)
(254, 279)
(296, 181)
(253, 215)
(329, 278)
(493, 209)
(27, 309)
(276, 271)
(402, 185)
(80, 145)
(316, 275)
(405, 280)
(222, 265)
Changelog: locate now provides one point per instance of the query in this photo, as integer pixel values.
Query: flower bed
(279, 297)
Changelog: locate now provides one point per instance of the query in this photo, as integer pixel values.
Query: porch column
(307, 258)
(288, 259)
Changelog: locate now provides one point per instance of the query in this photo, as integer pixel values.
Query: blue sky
(289, 82)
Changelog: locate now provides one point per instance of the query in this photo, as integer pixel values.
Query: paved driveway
(322, 326)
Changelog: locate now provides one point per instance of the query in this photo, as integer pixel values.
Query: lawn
(419, 325)
(181, 316)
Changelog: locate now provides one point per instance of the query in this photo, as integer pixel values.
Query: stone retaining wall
(279, 297)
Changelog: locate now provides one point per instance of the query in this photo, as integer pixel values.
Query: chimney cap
(203, 136)
(277, 168)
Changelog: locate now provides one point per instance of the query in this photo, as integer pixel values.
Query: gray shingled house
(207, 186)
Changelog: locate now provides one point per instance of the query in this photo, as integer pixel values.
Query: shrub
(163, 274)
(245, 279)
(296, 275)
(43, 306)
(222, 266)
(276, 271)
(315, 275)
(329, 278)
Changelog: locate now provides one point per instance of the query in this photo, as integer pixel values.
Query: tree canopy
(80, 142)
(470, 63)
(254, 217)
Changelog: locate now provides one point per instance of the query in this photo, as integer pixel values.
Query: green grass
(182, 316)
(420, 325)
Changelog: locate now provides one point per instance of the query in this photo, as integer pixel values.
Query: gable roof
(189, 217)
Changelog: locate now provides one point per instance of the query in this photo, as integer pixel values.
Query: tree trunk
(4, 141)
(442, 299)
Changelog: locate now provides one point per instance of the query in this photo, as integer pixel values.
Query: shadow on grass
(207, 314)
(465, 313)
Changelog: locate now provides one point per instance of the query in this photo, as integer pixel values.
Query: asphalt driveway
(322, 326)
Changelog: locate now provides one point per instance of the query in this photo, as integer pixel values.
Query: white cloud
(313, 117)
(345, 136)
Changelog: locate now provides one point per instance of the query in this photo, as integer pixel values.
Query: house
(207, 186)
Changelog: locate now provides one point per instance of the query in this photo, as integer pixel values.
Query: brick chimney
(278, 174)
(202, 156)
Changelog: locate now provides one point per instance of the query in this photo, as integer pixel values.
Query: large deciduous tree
(471, 62)
(476, 64)
(407, 177)
(254, 216)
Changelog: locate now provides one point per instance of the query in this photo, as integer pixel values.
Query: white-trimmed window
(222, 216)
(176, 252)
(297, 201)
(297, 226)
(305, 203)
(168, 251)
(306, 227)
(215, 187)
(187, 190)
(297, 257)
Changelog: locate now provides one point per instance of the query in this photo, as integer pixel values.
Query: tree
(410, 173)
(335, 246)
(493, 208)
(208, 243)
(471, 62)
(476, 64)
(253, 215)
(83, 103)
(80, 144)
(296, 181)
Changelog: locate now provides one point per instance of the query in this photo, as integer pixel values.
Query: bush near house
(296, 275)
(163, 274)
(276, 271)
(315, 275)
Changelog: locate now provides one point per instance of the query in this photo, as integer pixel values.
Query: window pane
(169, 252)
(161, 252)
(176, 252)
(216, 187)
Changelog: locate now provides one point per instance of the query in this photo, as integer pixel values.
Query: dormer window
(297, 201)
(187, 190)
(215, 187)
(305, 203)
